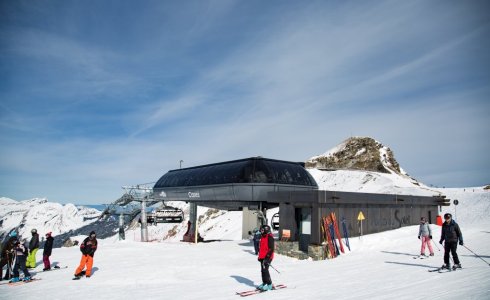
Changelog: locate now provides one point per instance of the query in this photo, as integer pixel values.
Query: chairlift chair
(167, 214)
(275, 221)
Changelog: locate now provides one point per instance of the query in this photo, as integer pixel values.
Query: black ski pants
(450, 247)
(20, 263)
(264, 269)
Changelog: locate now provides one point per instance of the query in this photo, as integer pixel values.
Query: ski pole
(476, 255)
(275, 269)
(435, 245)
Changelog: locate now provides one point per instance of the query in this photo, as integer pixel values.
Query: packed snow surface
(380, 266)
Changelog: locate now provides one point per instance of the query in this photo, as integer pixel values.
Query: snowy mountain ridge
(42, 215)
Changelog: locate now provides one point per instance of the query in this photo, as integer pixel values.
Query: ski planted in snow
(332, 234)
(346, 233)
(329, 247)
(257, 291)
(337, 231)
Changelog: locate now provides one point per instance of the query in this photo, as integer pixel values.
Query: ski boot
(445, 267)
(267, 287)
(456, 266)
(27, 278)
(432, 254)
(14, 279)
(260, 287)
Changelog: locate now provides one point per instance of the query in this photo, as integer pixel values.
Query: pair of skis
(20, 282)
(257, 291)
(331, 230)
(445, 270)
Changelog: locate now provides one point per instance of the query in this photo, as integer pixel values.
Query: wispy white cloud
(290, 87)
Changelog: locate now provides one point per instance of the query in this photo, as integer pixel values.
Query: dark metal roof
(233, 184)
(248, 170)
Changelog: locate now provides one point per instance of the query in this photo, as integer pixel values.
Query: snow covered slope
(43, 215)
(380, 266)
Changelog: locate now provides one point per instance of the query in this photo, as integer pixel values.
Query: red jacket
(266, 247)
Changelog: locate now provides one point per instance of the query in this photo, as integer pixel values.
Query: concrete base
(291, 249)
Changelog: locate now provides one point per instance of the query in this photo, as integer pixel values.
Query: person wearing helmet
(48, 247)
(450, 234)
(33, 247)
(20, 250)
(88, 248)
(425, 235)
(266, 254)
(7, 255)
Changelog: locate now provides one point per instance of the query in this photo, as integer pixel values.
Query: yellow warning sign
(360, 217)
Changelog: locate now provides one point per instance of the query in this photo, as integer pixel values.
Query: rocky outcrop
(357, 153)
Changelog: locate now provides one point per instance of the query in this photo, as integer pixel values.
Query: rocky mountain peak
(357, 153)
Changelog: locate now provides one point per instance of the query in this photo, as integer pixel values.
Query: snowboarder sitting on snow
(48, 247)
(33, 247)
(7, 254)
(425, 234)
(450, 234)
(21, 251)
(88, 248)
(266, 254)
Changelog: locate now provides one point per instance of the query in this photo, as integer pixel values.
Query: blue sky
(95, 95)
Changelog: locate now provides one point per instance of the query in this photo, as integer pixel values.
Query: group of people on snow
(17, 255)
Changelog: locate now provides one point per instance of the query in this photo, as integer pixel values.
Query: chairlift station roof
(235, 184)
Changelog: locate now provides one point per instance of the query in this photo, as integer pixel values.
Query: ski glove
(461, 243)
(430, 237)
(419, 237)
(440, 242)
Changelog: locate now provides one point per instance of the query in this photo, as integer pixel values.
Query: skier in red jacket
(266, 254)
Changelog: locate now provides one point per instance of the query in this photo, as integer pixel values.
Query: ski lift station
(254, 185)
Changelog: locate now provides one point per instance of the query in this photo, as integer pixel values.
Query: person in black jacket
(33, 247)
(451, 234)
(88, 248)
(48, 247)
(7, 255)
